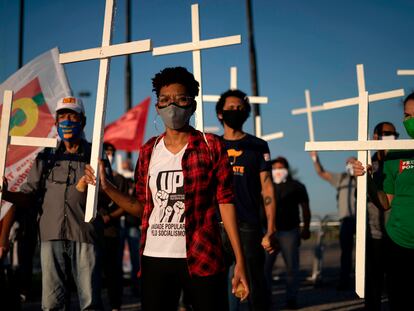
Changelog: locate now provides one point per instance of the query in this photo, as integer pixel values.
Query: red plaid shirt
(208, 180)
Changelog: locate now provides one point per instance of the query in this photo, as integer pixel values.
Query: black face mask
(234, 118)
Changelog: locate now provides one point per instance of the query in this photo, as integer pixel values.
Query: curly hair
(178, 75)
(234, 93)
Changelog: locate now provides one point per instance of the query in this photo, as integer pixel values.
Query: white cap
(71, 103)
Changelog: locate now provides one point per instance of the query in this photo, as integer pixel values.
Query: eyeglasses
(181, 100)
(389, 133)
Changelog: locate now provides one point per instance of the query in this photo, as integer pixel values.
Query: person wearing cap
(68, 244)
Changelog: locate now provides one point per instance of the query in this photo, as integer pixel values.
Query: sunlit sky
(301, 44)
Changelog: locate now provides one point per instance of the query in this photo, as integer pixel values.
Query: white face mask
(388, 137)
(349, 169)
(279, 175)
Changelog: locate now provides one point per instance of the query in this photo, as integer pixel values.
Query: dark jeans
(22, 252)
(112, 268)
(132, 235)
(254, 254)
(374, 273)
(10, 299)
(163, 279)
(289, 243)
(399, 276)
(346, 240)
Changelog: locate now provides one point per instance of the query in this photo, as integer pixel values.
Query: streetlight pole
(21, 34)
(253, 68)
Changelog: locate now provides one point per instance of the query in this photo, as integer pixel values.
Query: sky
(300, 44)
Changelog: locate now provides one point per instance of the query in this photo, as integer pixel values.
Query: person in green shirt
(398, 195)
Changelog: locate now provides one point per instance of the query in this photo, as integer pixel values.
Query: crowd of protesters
(204, 217)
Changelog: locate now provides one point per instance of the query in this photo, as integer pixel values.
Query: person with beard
(249, 157)
(291, 197)
(345, 184)
(69, 247)
(182, 178)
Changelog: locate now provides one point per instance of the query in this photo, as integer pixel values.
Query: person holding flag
(68, 244)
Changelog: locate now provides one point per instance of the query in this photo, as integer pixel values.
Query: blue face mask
(69, 130)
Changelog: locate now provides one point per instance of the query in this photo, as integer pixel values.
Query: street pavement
(313, 296)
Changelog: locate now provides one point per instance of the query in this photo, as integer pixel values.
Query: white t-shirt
(166, 231)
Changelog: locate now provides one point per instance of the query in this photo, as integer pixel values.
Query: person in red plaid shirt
(181, 177)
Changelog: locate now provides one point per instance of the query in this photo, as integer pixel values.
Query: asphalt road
(321, 295)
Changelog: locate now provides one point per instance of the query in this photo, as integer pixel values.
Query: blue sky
(301, 44)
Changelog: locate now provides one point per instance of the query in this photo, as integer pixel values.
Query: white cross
(5, 139)
(103, 53)
(233, 86)
(196, 45)
(252, 100)
(405, 72)
(338, 104)
(362, 145)
(308, 110)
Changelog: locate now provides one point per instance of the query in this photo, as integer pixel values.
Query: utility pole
(128, 77)
(21, 34)
(253, 68)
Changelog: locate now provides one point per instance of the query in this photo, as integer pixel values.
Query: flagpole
(128, 77)
(21, 32)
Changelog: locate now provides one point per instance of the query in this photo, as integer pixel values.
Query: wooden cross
(7, 140)
(252, 100)
(308, 110)
(233, 86)
(362, 145)
(103, 53)
(405, 72)
(196, 45)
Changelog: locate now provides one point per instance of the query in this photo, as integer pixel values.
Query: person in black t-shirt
(291, 196)
(249, 157)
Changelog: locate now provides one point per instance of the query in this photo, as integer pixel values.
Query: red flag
(127, 133)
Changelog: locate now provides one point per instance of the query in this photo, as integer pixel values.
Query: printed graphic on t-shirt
(406, 165)
(233, 154)
(169, 205)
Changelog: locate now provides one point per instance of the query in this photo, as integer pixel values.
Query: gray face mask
(175, 117)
